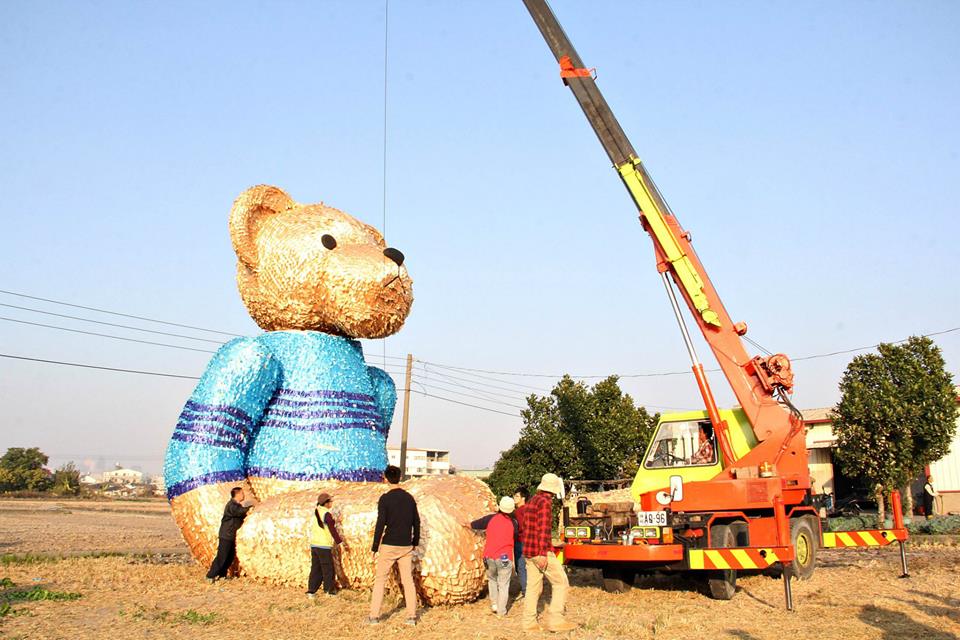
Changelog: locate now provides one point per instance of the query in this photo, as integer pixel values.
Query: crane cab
(685, 445)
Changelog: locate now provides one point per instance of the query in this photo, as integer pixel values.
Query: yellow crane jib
(689, 278)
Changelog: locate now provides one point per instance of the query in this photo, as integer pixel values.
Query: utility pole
(406, 417)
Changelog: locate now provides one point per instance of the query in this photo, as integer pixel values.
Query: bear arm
(385, 392)
(209, 444)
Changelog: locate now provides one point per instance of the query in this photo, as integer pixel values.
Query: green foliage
(190, 616)
(897, 413)
(939, 525)
(11, 594)
(66, 480)
(575, 432)
(22, 469)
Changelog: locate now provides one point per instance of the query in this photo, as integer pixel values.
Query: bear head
(313, 267)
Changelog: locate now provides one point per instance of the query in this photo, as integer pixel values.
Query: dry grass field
(854, 594)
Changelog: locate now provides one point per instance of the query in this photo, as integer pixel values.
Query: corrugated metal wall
(946, 471)
(820, 463)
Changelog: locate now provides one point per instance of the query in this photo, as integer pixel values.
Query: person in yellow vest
(323, 538)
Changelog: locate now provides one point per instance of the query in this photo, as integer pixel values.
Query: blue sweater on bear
(291, 405)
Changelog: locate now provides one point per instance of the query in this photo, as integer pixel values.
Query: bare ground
(854, 594)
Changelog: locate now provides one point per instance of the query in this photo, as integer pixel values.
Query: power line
(468, 395)
(873, 346)
(117, 313)
(106, 335)
(466, 404)
(91, 366)
(110, 324)
(467, 372)
(434, 372)
(471, 372)
(676, 373)
(514, 396)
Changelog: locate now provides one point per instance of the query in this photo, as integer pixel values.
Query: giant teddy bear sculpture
(296, 410)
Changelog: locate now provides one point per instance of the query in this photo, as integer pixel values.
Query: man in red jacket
(536, 529)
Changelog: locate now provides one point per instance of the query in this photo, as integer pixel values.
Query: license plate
(652, 518)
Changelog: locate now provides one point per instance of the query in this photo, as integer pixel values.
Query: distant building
(159, 488)
(121, 475)
(479, 474)
(946, 472)
(422, 462)
(88, 479)
(821, 442)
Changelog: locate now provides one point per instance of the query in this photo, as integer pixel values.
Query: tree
(575, 432)
(23, 469)
(66, 480)
(897, 413)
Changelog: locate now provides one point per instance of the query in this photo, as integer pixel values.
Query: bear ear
(249, 211)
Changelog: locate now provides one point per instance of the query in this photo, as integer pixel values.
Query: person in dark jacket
(233, 514)
(396, 535)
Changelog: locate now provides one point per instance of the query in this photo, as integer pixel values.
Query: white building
(159, 487)
(121, 475)
(88, 479)
(946, 472)
(821, 442)
(422, 462)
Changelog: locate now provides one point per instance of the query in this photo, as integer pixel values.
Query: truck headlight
(583, 532)
(570, 532)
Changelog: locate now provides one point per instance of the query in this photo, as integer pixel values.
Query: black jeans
(226, 552)
(321, 570)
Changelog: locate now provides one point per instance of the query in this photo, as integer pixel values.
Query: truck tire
(617, 579)
(722, 583)
(804, 538)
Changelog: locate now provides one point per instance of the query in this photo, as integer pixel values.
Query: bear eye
(328, 241)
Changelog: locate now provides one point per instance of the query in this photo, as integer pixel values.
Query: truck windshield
(682, 444)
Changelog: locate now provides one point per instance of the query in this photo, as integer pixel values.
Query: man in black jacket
(233, 515)
(395, 536)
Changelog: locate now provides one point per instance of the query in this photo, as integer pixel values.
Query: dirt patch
(853, 594)
(70, 527)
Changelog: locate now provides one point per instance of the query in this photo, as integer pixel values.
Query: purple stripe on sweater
(325, 394)
(357, 475)
(201, 439)
(359, 404)
(220, 432)
(189, 416)
(180, 488)
(373, 425)
(332, 413)
(225, 408)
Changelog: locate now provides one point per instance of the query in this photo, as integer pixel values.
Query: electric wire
(466, 371)
(110, 324)
(106, 335)
(117, 313)
(93, 366)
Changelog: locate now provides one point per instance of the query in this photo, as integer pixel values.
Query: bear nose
(394, 254)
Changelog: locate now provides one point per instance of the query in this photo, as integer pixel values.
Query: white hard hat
(507, 505)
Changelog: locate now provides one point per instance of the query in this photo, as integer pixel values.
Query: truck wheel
(804, 541)
(617, 580)
(722, 583)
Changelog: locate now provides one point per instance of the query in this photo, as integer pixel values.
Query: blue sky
(811, 149)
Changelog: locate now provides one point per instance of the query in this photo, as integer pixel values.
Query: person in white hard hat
(498, 554)
(536, 528)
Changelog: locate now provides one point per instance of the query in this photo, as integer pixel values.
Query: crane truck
(718, 491)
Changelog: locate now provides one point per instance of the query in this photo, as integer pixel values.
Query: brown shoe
(532, 628)
(561, 626)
